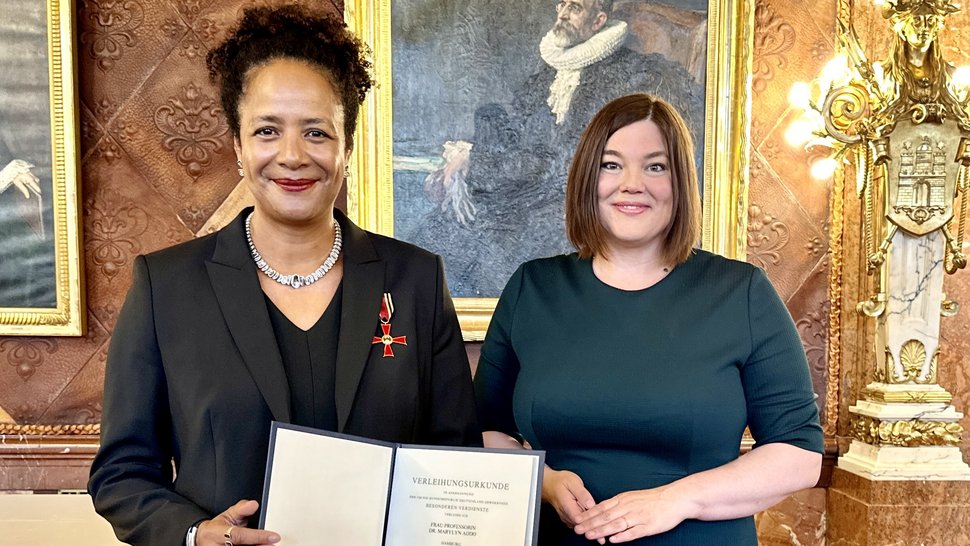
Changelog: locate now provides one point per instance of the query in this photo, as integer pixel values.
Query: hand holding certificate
(323, 487)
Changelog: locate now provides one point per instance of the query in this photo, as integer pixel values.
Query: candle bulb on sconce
(800, 95)
(808, 129)
(824, 169)
(960, 83)
(836, 73)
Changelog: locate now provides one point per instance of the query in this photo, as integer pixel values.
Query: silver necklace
(295, 281)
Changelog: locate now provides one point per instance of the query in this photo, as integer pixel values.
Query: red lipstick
(294, 185)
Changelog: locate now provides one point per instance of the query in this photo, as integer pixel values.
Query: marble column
(905, 427)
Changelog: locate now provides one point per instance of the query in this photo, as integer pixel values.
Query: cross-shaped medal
(387, 309)
(387, 339)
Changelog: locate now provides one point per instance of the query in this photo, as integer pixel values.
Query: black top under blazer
(194, 376)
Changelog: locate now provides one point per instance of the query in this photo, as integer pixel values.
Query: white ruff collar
(569, 62)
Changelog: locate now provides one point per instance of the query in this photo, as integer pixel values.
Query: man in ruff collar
(500, 196)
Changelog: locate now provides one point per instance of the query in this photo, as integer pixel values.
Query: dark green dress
(635, 389)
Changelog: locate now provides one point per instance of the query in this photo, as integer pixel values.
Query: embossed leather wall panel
(788, 215)
(156, 162)
(788, 211)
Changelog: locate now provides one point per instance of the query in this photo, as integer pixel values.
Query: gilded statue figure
(911, 124)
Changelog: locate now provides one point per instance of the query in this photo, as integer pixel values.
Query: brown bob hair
(583, 226)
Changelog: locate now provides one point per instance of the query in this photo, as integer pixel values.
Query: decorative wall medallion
(773, 37)
(27, 354)
(25, 413)
(191, 48)
(193, 215)
(104, 109)
(815, 246)
(107, 150)
(172, 27)
(193, 126)
(89, 130)
(205, 29)
(757, 168)
(812, 328)
(770, 151)
(111, 29)
(89, 414)
(197, 30)
(821, 50)
(189, 9)
(106, 313)
(114, 229)
(758, 129)
(124, 132)
(766, 237)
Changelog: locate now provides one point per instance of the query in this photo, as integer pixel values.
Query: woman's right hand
(565, 491)
(232, 522)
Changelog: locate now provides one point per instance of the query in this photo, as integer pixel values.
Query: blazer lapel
(363, 287)
(233, 277)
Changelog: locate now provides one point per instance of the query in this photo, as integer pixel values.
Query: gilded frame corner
(68, 317)
(727, 126)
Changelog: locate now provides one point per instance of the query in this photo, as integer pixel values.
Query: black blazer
(194, 376)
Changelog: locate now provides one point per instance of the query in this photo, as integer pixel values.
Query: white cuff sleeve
(190, 535)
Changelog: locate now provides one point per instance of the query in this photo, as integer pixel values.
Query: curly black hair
(293, 32)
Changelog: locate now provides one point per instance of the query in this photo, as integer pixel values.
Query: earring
(346, 172)
(241, 172)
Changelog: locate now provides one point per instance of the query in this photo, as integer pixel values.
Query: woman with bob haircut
(290, 313)
(637, 362)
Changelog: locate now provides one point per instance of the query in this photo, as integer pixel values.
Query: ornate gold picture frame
(48, 208)
(370, 191)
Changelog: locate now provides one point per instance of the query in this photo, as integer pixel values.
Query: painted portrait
(27, 255)
(40, 242)
(488, 106)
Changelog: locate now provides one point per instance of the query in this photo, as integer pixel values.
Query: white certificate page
(444, 497)
(326, 490)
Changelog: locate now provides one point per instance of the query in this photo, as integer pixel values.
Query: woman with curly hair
(285, 314)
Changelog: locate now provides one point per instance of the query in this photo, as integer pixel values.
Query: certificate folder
(327, 488)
